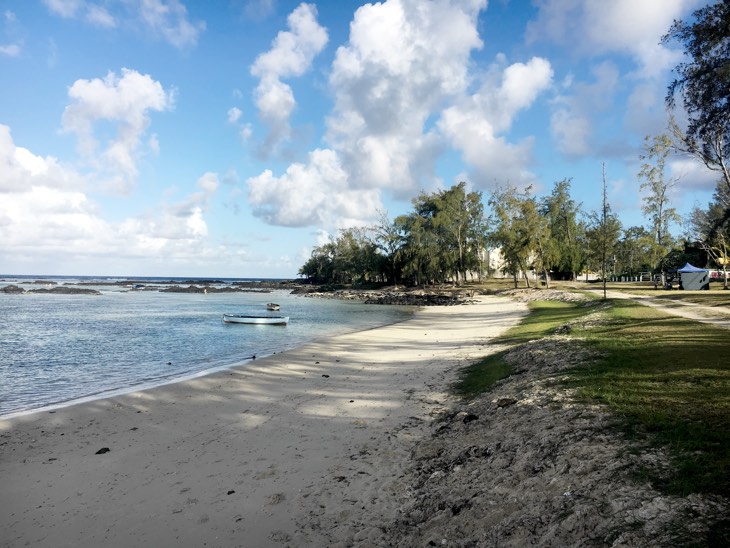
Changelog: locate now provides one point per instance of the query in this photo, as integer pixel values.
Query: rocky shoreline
(57, 290)
(391, 295)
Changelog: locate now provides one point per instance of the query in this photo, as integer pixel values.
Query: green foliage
(677, 258)
(602, 237)
(566, 246)
(634, 251)
(443, 235)
(712, 229)
(704, 81)
(657, 191)
(350, 258)
(518, 230)
(440, 240)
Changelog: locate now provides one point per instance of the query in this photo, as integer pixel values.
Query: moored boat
(272, 306)
(259, 320)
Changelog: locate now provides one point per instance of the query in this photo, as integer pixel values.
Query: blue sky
(227, 138)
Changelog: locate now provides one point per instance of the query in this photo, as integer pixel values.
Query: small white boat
(272, 306)
(261, 320)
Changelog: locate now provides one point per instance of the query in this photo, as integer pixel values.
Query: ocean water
(57, 349)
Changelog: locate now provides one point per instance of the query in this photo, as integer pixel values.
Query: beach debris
(280, 536)
(325, 375)
(102, 451)
(230, 492)
(277, 498)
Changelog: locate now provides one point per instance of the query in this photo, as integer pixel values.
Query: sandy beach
(259, 455)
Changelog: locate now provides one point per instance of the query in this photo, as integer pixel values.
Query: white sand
(246, 457)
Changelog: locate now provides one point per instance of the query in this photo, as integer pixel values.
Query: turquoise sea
(58, 349)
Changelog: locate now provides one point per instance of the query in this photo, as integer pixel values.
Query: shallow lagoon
(62, 348)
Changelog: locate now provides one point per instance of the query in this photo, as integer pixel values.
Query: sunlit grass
(667, 378)
(544, 318)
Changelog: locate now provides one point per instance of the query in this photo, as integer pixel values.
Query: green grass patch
(482, 375)
(668, 377)
(545, 317)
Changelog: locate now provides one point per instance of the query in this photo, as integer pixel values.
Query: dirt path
(715, 315)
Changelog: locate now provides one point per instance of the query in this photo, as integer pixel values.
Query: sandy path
(715, 315)
(261, 455)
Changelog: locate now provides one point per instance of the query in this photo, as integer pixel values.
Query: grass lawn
(666, 378)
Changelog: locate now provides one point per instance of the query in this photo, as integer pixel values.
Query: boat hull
(256, 320)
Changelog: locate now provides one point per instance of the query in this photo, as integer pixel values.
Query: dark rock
(102, 451)
(504, 402)
(66, 290)
(13, 289)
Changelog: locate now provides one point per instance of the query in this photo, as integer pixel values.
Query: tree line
(446, 235)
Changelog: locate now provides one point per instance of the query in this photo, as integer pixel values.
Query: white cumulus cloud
(291, 55)
(403, 61)
(125, 101)
(315, 193)
(22, 170)
(403, 88)
(476, 125)
(47, 217)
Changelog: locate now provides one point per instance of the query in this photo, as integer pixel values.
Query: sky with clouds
(226, 139)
